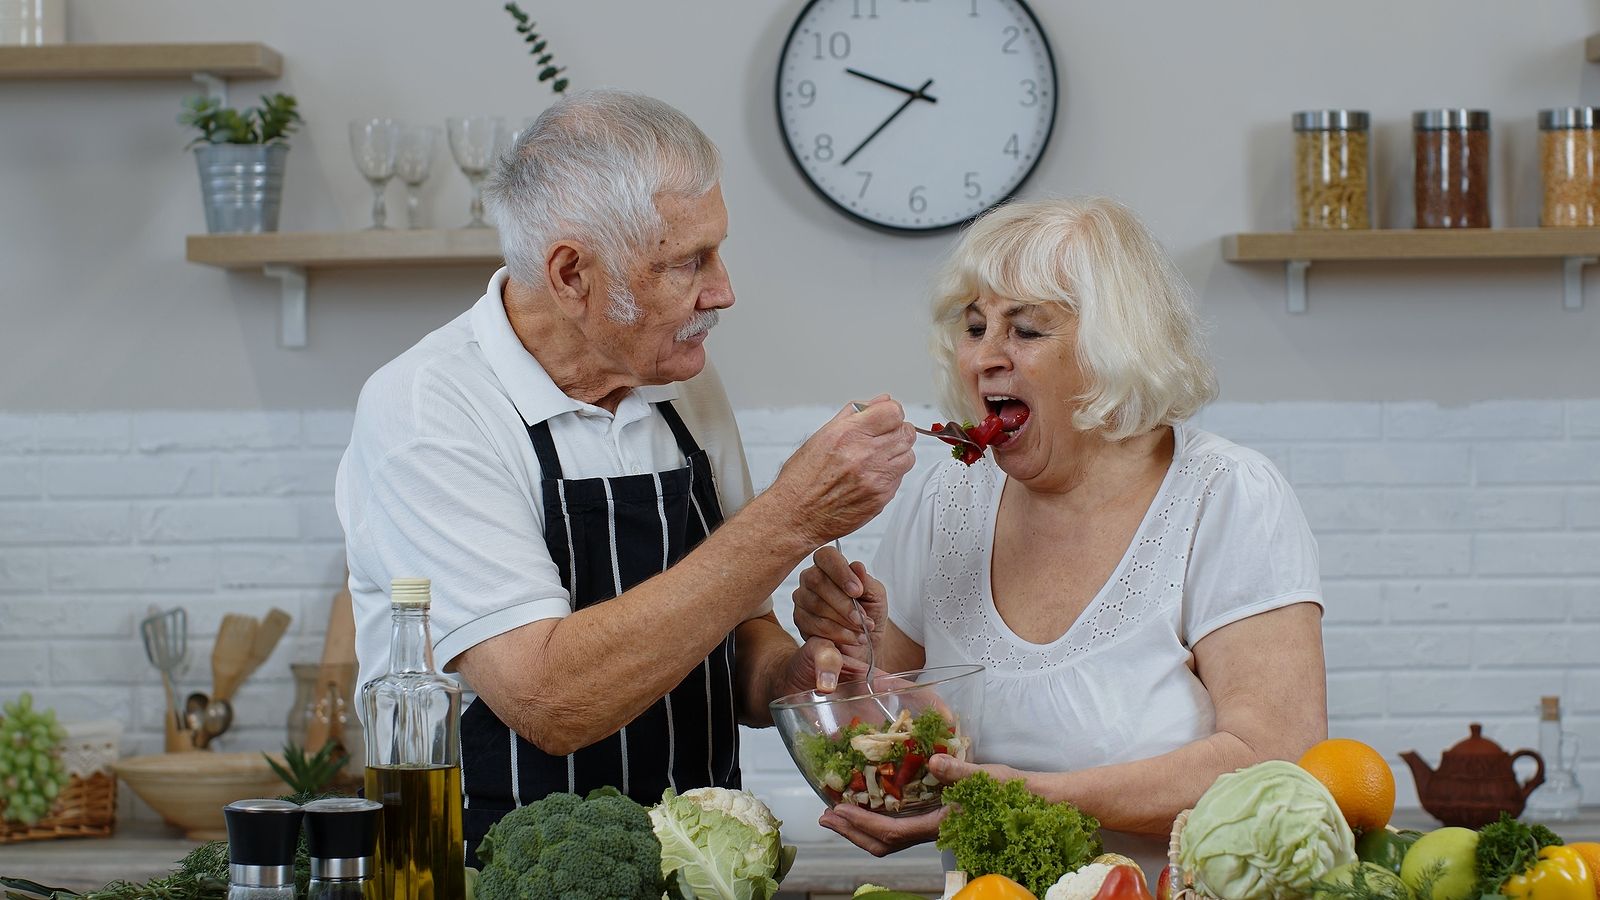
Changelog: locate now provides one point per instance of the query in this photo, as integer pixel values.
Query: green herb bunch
(1508, 848)
(308, 774)
(538, 47)
(269, 123)
(1006, 829)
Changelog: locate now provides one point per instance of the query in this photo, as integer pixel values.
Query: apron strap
(544, 448)
(680, 431)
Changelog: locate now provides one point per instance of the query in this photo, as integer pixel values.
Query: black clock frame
(1049, 131)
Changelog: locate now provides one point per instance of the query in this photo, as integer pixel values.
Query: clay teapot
(1474, 783)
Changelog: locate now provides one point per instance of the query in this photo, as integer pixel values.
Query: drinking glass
(413, 162)
(374, 141)
(475, 141)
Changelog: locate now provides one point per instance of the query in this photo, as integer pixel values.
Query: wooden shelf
(289, 255)
(347, 249)
(140, 61)
(1575, 247)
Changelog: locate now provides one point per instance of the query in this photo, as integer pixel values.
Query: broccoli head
(566, 847)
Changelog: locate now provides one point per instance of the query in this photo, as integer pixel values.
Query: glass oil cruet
(413, 718)
(1557, 799)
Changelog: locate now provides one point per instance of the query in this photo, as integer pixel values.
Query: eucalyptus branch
(538, 48)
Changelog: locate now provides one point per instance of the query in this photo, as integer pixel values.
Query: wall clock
(916, 115)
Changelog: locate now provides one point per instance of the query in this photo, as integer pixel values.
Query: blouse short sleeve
(906, 550)
(1253, 550)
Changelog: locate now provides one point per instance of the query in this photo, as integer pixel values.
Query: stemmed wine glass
(374, 141)
(413, 162)
(475, 141)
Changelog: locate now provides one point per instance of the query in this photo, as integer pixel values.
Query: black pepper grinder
(341, 838)
(262, 837)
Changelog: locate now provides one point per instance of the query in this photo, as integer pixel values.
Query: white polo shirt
(440, 480)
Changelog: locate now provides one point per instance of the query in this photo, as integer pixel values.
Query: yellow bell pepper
(995, 887)
(1560, 874)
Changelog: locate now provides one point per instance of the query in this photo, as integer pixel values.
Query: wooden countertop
(142, 850)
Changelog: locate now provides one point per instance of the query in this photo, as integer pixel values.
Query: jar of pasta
(1452, 167)
(1331, 164)
(1569, 159)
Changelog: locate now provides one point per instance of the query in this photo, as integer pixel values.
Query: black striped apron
(607, 535)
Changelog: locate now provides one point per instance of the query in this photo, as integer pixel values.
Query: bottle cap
(262, 833)
(1550, 709)
(411, 592)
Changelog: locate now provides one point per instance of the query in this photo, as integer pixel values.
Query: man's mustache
(702, 322)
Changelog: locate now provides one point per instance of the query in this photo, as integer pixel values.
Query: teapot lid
(1475, 747)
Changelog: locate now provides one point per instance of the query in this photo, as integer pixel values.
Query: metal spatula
(166, 643)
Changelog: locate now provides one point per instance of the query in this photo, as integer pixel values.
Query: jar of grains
(1569, 159)
(1452, 167)
(1331, 165)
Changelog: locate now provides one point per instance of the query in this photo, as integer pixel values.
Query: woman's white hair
(1139, 340)
(590, 169)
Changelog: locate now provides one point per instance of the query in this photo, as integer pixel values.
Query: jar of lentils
(1569, 160)
(1452, 167)
(1332, 170)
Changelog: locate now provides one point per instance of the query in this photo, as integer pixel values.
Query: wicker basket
(1183, 887)
(87, 806)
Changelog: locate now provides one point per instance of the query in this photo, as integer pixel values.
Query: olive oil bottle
(413, 717)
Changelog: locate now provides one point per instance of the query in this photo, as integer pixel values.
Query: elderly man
(563, 464)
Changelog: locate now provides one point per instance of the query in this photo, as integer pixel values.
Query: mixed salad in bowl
(868, 743)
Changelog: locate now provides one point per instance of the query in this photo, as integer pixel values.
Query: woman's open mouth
(1012, 412)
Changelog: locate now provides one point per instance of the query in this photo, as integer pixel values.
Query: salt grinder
(262, 836)
(341, 838)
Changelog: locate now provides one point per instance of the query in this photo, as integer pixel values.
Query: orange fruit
(1358, 778)
(1590, 852)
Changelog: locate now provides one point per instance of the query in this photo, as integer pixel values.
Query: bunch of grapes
(31, 773)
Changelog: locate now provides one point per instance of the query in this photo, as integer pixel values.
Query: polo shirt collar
(530, 388)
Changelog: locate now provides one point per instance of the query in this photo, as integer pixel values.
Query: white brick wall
(1460, 551)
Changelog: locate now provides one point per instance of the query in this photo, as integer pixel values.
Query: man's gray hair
(590, 169)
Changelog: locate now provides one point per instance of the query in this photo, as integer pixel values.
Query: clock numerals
(872, 9)
(1013, 149)
(974, 190)
(1012, 33)
(918, 201)
(866, 179)
(807, 91)
(838, 45)
(822, 148)
(1030, 92)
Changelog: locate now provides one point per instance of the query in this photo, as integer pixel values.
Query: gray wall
(1180, 109)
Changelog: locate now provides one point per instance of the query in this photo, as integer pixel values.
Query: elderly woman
(1144, 595)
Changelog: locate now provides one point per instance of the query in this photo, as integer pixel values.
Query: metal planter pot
(241, 185)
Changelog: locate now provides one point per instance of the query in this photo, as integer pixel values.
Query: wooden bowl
(189, 790)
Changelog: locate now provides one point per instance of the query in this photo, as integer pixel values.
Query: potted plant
(240, 155)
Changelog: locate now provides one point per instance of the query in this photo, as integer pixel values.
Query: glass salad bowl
(869, 741)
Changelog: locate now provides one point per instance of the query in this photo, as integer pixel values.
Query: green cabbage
(1266, 832)
(720, 844)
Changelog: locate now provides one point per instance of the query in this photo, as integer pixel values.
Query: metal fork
(866, 631)
(959, 437)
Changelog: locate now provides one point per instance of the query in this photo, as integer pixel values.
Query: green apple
(1447, 860)
(1379, 883)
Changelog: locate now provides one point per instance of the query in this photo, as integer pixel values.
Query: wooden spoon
(231, 654)
(266, 639)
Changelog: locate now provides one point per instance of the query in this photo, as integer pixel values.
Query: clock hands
(915, 96)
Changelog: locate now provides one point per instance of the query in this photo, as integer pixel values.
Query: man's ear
(572, 276)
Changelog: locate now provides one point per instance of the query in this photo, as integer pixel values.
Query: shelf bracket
(213, 86)
(1295, 283)
(1572, 280)
(292, 313)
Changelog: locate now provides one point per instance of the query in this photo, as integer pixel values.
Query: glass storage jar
(1569, 160)
(1451, 174)
(1332, 170)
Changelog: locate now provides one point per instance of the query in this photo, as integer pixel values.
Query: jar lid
(1330, 120)
(1569, 117)
(410, 592)
(262, 833)
(1450, 119)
